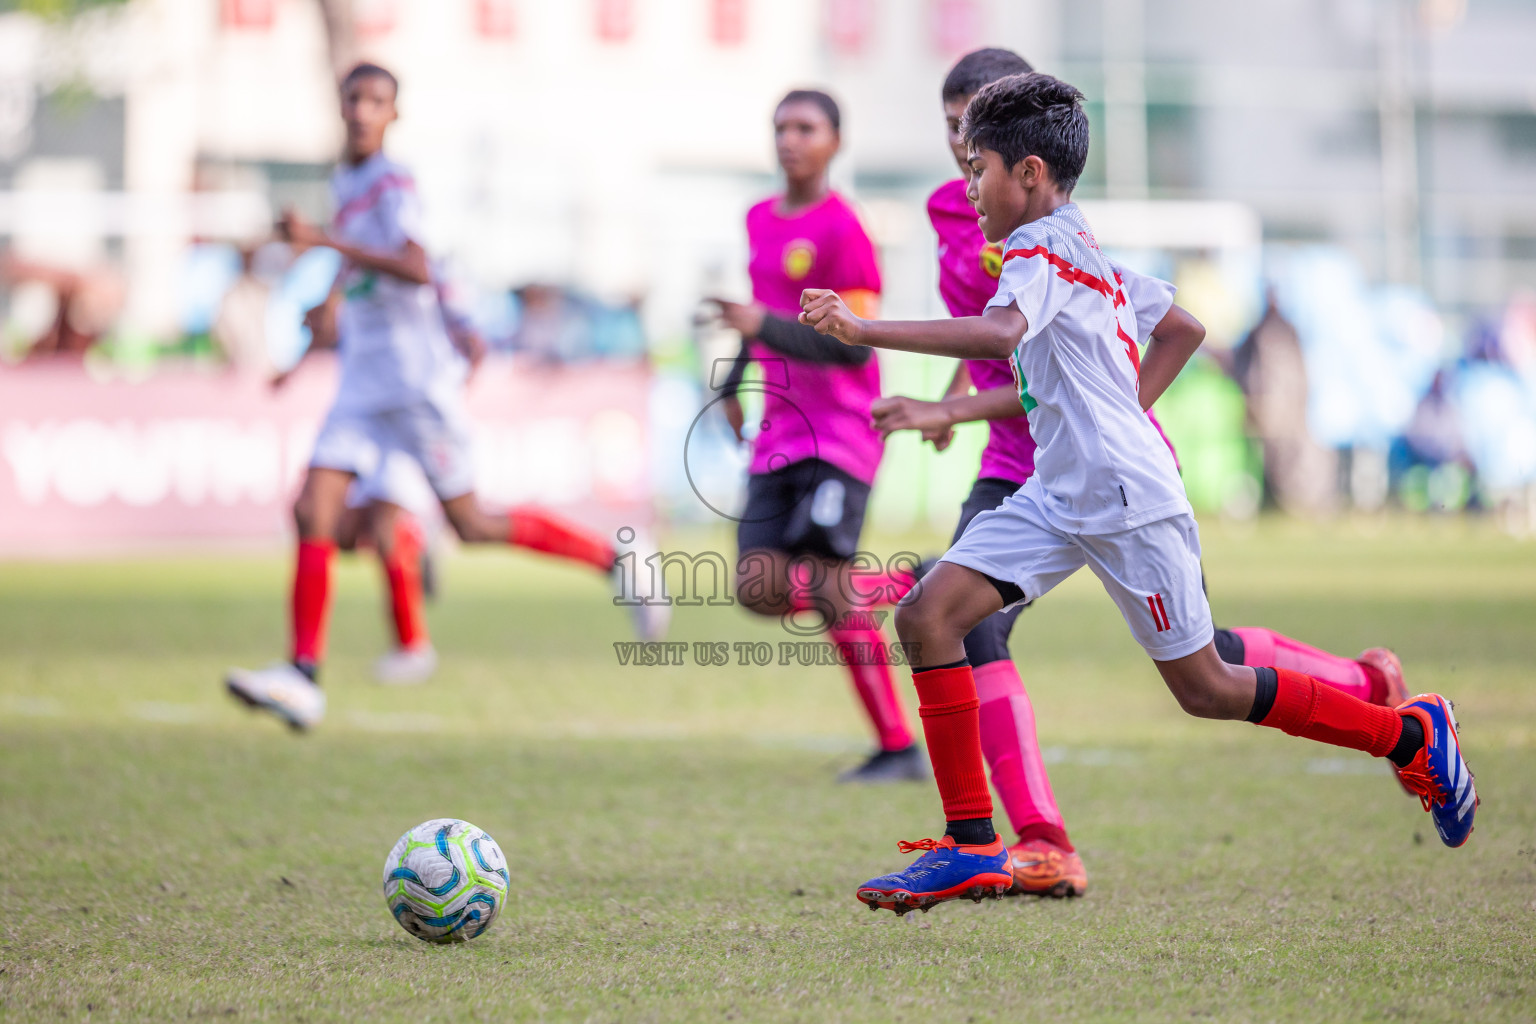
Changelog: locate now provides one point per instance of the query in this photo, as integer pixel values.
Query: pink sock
(1262, 647)
(869, 668)
(885, 587)
(1013, 753)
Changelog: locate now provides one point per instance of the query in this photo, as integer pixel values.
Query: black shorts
(807, 508)
(986, 494)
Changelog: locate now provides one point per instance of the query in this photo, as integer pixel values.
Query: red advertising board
(197, 458)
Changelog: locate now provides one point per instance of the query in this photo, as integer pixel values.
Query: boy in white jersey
(1105, 493)
(399, 395)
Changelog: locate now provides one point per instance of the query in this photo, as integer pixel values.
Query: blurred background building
(1345, 190)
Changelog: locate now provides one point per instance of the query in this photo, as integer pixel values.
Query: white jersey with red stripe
(394, 348)
(1101, 466)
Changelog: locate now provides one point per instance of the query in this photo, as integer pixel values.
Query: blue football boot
(1437, 775)
(946, 871)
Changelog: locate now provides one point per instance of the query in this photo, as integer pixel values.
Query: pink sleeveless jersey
(969, 266)
(812, 410)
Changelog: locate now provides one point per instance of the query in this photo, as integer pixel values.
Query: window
(849, 23)
(727, 22)
(955, 25)
(615, 20)
(495, 19)
(248, 14)
(374, 17)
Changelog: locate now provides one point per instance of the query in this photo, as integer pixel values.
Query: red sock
(869, 668)
(538, 530)
(948, 706)
(402, 570)
(1265, 647)
(1308, 707)
(311, 599)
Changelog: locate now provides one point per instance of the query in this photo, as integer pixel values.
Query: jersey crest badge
(991, 258)
(799, 258)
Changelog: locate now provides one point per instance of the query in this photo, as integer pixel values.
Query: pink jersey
(812, 410)
(969, 266)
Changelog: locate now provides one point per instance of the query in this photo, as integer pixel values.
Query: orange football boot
(1041, 868)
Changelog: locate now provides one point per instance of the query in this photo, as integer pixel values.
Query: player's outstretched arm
(1001, 403)
(992, 335)
(1174, 340)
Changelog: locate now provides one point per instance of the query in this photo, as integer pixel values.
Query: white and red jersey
(393, 346)
(1101, 466)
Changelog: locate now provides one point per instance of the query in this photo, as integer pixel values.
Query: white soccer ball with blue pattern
(445, 881)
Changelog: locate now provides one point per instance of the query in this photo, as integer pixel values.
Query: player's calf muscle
(1206, 687)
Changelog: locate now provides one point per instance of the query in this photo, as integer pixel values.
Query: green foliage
(677, 847)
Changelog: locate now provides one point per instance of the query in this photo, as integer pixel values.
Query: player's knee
(304, 515)
(753, 595)
(464, 530)
(925, 620)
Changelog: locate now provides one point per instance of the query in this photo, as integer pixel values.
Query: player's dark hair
(1031, 115)
(366, 70)
(827, 104)
(982, 67)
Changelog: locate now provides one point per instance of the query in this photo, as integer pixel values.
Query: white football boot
(406, 666)
(281, 689)
(650, 620)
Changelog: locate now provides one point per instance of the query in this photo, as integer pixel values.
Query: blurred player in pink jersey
(400, 395)
(815, 454)
(1043, 860)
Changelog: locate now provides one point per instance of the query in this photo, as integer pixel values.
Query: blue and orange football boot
(945, 871)
(1438, 775)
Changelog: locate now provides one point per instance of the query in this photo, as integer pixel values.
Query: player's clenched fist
(822, 309)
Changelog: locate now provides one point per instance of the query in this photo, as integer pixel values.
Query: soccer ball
(445, 881)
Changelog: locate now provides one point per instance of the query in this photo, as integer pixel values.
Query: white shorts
(367, 444)
(398, 480)
(1152, 572)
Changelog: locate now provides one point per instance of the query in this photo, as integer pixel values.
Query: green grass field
(678, 848)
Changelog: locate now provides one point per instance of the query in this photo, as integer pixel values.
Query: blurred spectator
(558, 326)
(239, 329)
(86, 304)
(1494, 393)
(1428, 465)
(1434, 434)
(1517, 339)
(1299, 474)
